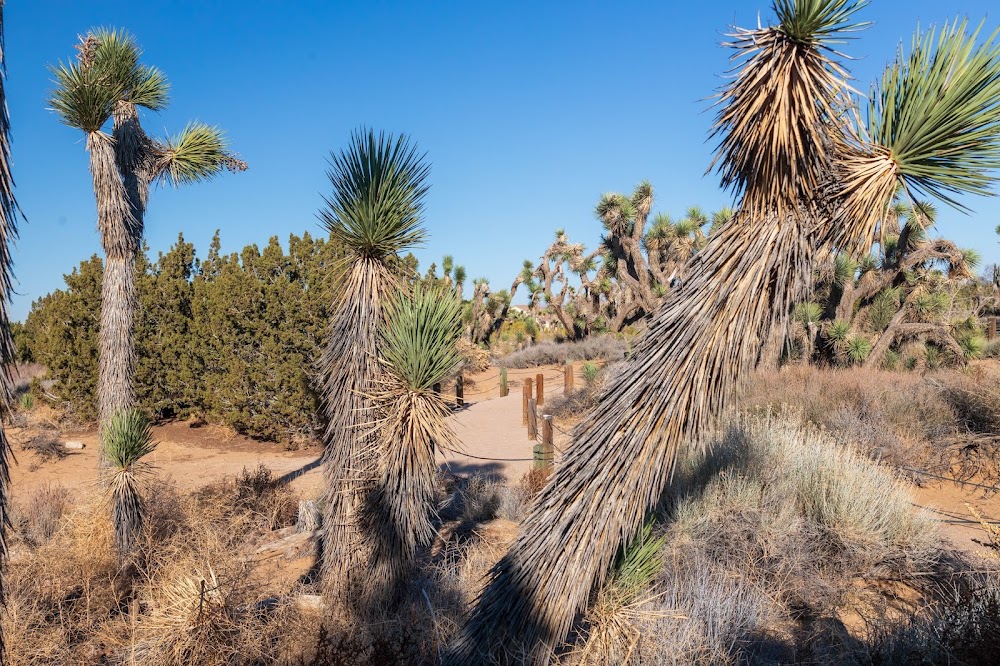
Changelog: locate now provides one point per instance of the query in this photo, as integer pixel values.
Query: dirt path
(191, 457)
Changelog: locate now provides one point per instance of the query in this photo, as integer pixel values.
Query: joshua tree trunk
(9, 212)
(120, 233)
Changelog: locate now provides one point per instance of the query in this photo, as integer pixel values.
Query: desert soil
(494, 442)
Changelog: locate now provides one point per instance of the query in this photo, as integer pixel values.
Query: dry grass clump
(768, 535)
(593, 348)
(898, 417)
(193, 593)
(254, 497)
(38, 517)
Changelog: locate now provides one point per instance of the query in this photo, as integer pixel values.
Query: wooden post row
(504, 389)
(460, 390)
(525, 397)
(532, 420)
(540, 389)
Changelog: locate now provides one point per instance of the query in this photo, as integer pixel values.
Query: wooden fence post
(568, 379)
(540, 389)
(993, 327)
(525, 397)
(548, 449)
(532, 420)
(460, 390)
(504, 389)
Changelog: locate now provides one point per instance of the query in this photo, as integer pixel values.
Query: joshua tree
(809, 180)
(626, 278)
(9, 213)
(379, 184)
(106, 80)
(127, 439)
(418, 347)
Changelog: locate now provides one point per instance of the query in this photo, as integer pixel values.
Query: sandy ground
(493, 439)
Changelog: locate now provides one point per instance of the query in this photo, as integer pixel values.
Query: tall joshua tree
(105, 81)
(9, 213)
(374, 212)
(809, 180)
(419, 349)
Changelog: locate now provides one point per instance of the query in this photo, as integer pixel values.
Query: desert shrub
(480, 499)
(594, 348)
(902, 418)
(591, 374)
(37, 518)
(975, 397)
(229, 337)
(254, 498)
(768, 531)
(962, 628)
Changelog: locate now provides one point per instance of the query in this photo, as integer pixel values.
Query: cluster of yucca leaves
(127, 439)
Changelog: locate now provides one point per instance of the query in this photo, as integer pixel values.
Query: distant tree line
(229, 338)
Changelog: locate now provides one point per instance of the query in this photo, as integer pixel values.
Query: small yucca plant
(27, 402)
(619, 606)
(419, 349)
(127, 439)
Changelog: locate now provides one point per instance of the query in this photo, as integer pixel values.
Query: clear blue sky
(527, 110)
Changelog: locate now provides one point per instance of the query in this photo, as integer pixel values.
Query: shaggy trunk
(349, 365)
(9, 212)
(120, 234)
(700, 345)
(127, 513)
(398, 514)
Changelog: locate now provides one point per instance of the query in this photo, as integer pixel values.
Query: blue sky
(527, 110)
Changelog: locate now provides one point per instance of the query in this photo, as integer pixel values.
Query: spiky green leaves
(106, 71)
(818, 22)
(419, 336)
(198, 153)
(379, 185)
(937, 112)
(127, 438)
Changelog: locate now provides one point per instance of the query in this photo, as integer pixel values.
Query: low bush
(768, 533)
(594, 348)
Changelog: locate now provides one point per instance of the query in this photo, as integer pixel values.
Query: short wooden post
(568, 379)
(504, 389)
(540, 389)
(532, 420)
(993, 327)
(548, 449)
(525, 397)
(460, 390)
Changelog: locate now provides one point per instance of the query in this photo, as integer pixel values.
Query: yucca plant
(105, 81)
(857, 349)
(374, 212)
(419, 339)
(809, 185)
(618, 606)
(126, 440)
(9, 214)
